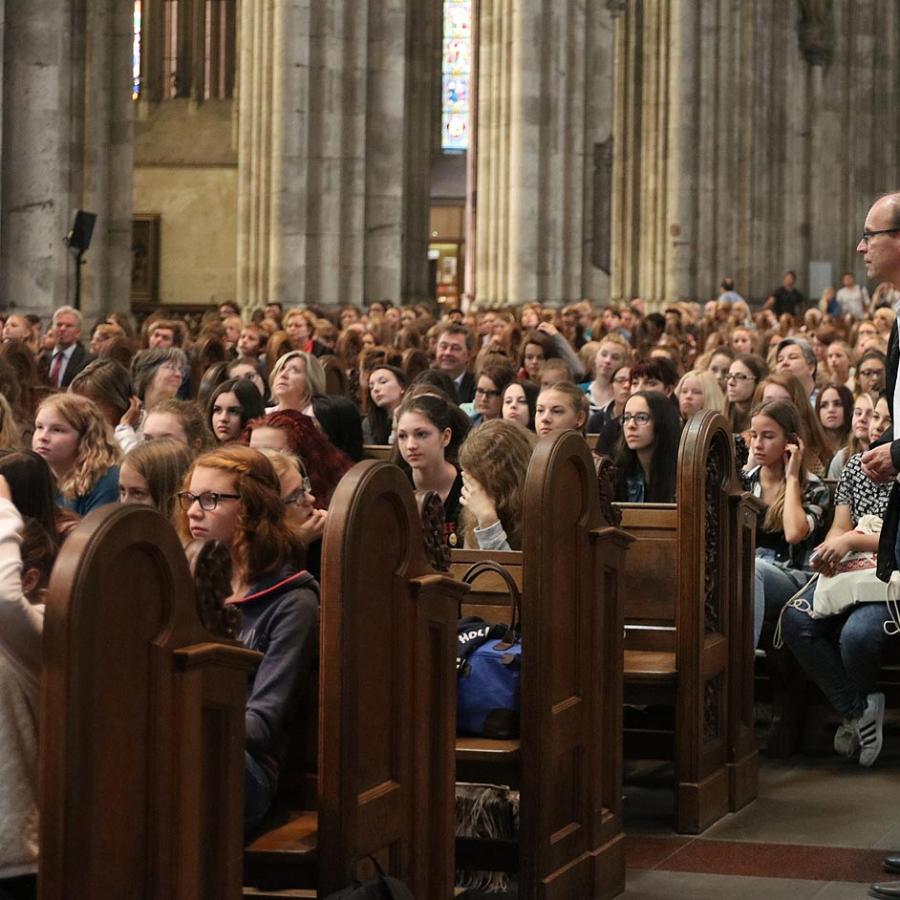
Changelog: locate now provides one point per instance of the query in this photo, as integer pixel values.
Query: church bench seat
(650, 666)
(299, 834)
(377, 451)
(688, 627)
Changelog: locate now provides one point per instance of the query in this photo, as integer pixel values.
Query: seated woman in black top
(647, 454)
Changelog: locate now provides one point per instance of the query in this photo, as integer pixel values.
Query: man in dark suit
(454, 348)
(68, 357)
(880, 245)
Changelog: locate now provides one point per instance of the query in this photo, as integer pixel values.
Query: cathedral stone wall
(185, 171)
(751, 137)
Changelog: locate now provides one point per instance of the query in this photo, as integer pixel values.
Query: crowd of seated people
(238, 426)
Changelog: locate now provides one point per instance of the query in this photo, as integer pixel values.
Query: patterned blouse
(816, 501)
(864, 496)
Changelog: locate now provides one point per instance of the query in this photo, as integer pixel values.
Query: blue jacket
(280, 619)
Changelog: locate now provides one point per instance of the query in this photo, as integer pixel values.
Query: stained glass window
(136, 52)
(456, 69)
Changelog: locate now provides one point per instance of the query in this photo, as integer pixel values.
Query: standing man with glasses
(880, 246)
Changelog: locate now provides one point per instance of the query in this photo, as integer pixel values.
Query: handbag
(489, 667)
(855, 580)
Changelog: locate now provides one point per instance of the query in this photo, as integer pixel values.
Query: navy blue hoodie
(280, 619)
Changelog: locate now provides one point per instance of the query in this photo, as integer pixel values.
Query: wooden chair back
(142, 722)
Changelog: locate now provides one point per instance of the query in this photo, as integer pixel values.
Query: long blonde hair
(9, 431)
(97, 449)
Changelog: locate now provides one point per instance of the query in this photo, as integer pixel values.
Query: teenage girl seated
(152, 473)
(842, 653)
(430, 431)
(232, 405)
(71, 434)
(233, 495)
(562, 407)
(519, 401)
(294, 432)
(794, 503)
(494, 460)
(647, 455)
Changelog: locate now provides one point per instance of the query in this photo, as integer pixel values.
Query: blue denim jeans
(774, 586)
(841, 653)
(259, 792)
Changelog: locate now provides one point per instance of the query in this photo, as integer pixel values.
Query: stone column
(537, 128)
(335, 116)
(66, 103)
(102, 142)
(771, 154)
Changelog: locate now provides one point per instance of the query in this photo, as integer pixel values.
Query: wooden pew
(378, 451)
(689, 622)
(387, 699)
(567, 761)
(142, 722)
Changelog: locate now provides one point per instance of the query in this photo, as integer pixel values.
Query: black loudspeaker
(79, 238)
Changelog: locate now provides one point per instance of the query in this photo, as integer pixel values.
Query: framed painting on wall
(145, 258)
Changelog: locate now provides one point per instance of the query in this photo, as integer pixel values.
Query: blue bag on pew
(488, 665)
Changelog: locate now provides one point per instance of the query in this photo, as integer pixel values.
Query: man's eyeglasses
(641, 418)
(739, 377)
(208, 500)
(295, 498)
(483, 392)
(868, 235)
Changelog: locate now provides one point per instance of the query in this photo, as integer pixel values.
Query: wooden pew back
(142, 722)
(571, 698)
(387, 689)
(698, 615)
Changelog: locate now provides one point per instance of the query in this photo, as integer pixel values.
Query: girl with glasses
(491, 382)
(744, 374)
(607, 425)
(233, 495)
(647, 454)
(293, 432)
